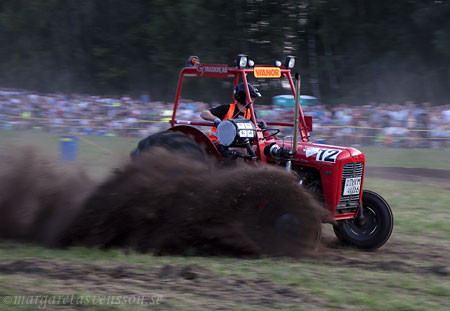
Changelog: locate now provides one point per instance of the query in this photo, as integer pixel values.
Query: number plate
(352, 186)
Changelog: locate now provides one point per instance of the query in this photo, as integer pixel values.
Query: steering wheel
(275, 132)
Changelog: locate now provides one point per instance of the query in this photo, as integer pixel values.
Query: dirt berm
(161, 203)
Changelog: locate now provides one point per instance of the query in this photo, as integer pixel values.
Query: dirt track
(168, 282)
(176, 286)
(419, 258)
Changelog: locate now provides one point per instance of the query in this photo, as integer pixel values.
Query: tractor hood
(334, 165)
(328, 154)
(316, 154)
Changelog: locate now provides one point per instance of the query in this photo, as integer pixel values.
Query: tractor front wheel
(370, 231)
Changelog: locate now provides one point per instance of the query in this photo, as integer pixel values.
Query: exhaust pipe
(297, 113)
(296, 121)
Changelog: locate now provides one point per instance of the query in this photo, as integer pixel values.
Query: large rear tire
(288, 232)
(173, 141)
(374, 231)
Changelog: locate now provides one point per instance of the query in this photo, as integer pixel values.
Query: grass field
(97, 150)
(411, 272)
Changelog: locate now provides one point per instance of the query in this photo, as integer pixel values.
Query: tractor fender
(200, 137)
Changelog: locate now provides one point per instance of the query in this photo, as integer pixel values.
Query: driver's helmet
(239, 92)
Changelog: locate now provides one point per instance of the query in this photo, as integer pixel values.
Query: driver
(233, 111)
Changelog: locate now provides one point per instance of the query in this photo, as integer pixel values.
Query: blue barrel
(68, 147)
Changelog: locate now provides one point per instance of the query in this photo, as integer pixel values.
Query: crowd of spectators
(408, 125)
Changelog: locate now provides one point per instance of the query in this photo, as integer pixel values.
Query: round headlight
(236, 132)
(226, 132)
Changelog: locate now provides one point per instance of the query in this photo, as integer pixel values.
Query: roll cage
(224, 71)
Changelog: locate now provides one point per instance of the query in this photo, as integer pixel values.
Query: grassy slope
(420, 218)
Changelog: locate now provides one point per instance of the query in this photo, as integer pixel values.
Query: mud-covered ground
(62, 207)
(168, 282)
(177, 286)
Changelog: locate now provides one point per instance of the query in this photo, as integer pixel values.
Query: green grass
(421, 224)
(98, 154)
(100, 150)
(418, 208)
(424, 158)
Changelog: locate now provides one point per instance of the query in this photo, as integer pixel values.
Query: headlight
(236, 132)
(289, 62)
(277, 63)
(241, 60)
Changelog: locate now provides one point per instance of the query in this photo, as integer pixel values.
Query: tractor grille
(349, 203)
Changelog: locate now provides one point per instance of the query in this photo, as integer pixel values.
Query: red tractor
(334, 175)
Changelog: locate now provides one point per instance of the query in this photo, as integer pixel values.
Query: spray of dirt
(161, 203)
(39, 197)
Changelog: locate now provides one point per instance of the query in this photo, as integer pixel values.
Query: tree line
(348, 51)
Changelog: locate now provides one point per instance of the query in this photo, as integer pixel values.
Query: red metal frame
(330, 174)
(223, 71)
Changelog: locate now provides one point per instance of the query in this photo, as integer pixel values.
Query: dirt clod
(188, 273)
(440, 270)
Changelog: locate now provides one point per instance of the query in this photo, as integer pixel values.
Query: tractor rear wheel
(172, 141)
(288, 232)
(373, 230)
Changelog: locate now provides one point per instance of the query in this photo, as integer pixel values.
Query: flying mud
(38, 196)
(160, 203)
